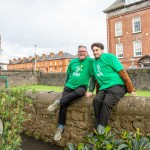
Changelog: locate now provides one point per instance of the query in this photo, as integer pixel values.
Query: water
(29, 143)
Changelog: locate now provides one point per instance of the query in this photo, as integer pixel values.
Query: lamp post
(35, 59)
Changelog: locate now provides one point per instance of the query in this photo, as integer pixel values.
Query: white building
(3, 66)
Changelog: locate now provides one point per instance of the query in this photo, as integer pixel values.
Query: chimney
(36, 56)
(19, 59)
(60, 53)
(51, 54)
(43, 56)
(30, 57)
(10, 61)
(24, 58)
(14, 60)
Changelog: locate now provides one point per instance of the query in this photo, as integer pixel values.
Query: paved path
(29, 143)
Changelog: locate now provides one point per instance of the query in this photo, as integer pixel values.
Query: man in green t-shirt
(113, 83)
(77, 80)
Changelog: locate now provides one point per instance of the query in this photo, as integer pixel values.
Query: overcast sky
(52, 25)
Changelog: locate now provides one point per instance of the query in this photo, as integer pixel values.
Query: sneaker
(54, 106)
(58, 134)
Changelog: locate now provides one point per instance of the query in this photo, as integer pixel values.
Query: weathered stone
(81, 125)
(128, 114)
(76, 115)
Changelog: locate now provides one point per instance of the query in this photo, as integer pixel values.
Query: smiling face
(82, 53)
(97, 51)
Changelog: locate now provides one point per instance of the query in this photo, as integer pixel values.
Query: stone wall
(129, 114)
(17, 78)
(140, 78)
(54, 79)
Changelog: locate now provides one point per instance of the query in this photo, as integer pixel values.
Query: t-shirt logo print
(78, 70)
(99, 70)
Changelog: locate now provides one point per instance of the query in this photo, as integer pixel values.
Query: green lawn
(60, 89)
(41, 88)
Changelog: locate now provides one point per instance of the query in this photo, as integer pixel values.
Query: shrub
(12, 104)
(103, 139)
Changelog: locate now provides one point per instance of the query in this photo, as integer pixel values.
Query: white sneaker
(54, 106)
(58, 134)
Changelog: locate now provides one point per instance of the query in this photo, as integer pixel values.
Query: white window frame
(133, 24)
(119, 51)
(118, 31)
(137, 48)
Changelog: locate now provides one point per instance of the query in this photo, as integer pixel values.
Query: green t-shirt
(79, 73)
(106, 70)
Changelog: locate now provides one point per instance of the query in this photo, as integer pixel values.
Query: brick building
(46, 63)
(128, 30)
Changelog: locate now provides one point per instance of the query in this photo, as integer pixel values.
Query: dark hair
(100, 45)
(82, 46)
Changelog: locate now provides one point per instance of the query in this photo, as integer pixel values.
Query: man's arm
(127, 82)
(91, 87)
(67, 77)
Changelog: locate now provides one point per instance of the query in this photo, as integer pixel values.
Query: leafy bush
(12, 104)
(103, 139)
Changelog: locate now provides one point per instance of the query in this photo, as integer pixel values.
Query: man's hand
(133, 93)
(88, 94)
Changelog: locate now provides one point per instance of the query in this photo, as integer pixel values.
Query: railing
(6, 80)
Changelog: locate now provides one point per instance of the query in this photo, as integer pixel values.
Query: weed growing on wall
(12, 105)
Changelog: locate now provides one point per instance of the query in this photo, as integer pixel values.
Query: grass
(60, 89)
(41, 88)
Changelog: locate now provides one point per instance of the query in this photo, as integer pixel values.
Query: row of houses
(46, 63)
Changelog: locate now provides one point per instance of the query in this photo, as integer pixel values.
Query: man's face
(97, 52)
(82, 53)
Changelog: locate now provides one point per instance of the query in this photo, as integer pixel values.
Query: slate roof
(2, 63)
(119, 4)
(40, 58)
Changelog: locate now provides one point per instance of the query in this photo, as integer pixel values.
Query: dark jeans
(104, 102)
(68, 96)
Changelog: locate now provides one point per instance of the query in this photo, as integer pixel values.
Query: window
(118, 28)
(131, 1)
(55, 63)
(60, 62)
(119, 50)
(137, 45)
(136, 23)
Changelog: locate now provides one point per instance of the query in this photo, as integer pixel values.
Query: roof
(2, 63)
(40, 58)
(144, 58)
(115, 5)
(120, 4)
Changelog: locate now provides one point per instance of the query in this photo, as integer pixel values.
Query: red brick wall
(128, 37)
